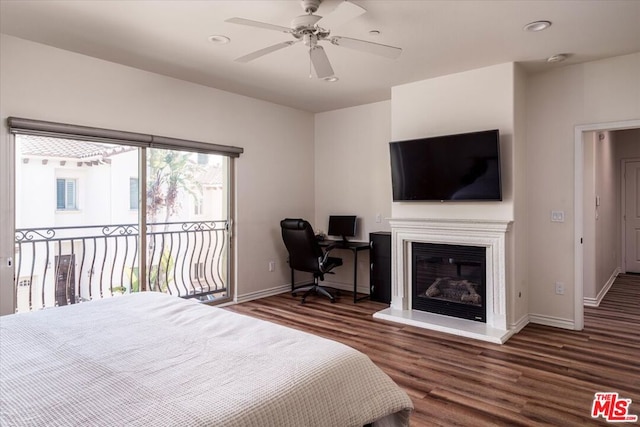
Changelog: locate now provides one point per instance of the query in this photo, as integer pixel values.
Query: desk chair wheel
(319, 291)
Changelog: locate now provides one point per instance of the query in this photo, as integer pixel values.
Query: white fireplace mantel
(490, 234)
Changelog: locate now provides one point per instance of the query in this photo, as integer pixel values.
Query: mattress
(151, 359)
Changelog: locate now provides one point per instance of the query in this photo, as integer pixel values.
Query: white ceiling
(437, 38)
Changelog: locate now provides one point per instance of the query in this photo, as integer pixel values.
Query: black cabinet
(380, 277)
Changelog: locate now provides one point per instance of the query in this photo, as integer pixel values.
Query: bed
(156, 360)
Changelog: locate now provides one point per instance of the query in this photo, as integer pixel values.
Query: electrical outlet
(559, 288)
(557, 216)
(272, 266)
(378, 218)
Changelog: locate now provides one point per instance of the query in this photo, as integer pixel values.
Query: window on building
(198, 206)
(203, 159)
(66, 194)
(133, 193)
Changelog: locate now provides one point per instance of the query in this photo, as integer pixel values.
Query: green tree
(169, 173)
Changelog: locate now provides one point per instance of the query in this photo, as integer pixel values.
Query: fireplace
(449, 280)
(478, 276)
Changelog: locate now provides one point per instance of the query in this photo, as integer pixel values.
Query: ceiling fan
(311, 29)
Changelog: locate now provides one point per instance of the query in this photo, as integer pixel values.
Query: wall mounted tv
(451, 167)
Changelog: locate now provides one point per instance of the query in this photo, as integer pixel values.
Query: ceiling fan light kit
(558, 57)
(312, 29)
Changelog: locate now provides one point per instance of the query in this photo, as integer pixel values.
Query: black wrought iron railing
(64, 265)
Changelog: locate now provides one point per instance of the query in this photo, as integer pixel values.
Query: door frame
(578, 208)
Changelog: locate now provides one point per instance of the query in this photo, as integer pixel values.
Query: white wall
(601, 223)
(475, 100)
(607, 214)
(275, 175)
(124, 166)
(589, 218)
(557, 101)
(353, 176)
(30, 212)
(518, 271)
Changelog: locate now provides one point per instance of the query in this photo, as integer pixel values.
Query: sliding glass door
(90, 214)
(187, 217)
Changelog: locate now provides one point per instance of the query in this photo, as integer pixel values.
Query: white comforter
(156, 360)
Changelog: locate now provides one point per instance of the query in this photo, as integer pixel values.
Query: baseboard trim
(287, 288)
(263, 293)
(595, 302)
(520, 324)
(556, 322)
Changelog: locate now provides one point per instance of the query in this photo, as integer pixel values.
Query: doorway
(580, 135)
(65, 279)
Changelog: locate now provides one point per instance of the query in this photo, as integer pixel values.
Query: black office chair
(305, 254)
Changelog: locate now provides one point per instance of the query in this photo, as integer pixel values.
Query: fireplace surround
(491, 235)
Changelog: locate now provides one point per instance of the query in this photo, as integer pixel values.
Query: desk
(354, 247)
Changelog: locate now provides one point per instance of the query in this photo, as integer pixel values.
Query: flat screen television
(447, 168)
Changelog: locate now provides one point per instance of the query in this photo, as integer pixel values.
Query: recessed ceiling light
(331, 79)
(218, 39)
(557, 58)
(537, 26)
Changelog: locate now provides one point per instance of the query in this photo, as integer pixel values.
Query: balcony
(67, 265)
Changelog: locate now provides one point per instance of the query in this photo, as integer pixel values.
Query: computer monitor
(342, 226)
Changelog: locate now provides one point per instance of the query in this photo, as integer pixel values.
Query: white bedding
(156, 360)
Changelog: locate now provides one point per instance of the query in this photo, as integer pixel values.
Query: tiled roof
(43, 146)
(212, 175)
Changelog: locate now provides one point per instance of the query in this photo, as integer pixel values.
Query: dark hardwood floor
(541, 376)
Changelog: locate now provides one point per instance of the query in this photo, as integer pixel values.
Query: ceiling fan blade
(258, 53)
(344, 12)
(320, 62)
(369, 47)
(259, 24)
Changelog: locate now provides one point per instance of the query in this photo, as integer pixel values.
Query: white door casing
(632, 216)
